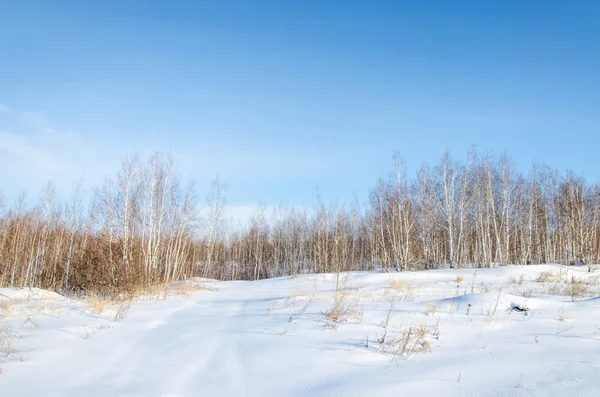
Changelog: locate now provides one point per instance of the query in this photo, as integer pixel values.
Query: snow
(273, 338)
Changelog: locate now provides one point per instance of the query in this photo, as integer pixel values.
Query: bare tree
(216, 200)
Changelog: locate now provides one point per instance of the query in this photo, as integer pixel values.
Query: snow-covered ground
(434, 333)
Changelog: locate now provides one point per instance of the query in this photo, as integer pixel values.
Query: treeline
(139, 230)
(143, 228)
(481, 212)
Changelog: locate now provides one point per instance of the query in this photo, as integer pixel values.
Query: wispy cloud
(38, 121)
(34, 148)
(24, 151)
(34, 151)
(27, 166)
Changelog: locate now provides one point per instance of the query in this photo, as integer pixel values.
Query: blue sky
(281, 98)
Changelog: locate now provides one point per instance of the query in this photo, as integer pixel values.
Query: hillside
(430, 333)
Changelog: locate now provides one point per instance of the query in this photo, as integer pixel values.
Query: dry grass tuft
(407, 291)
(163, 291)
(291, 301)
(122, 301)
(6, 307)
(430, 309)
(85, 331)
(595, 280)
(459, 279)
(103, 304)
(189, 287)
(344, 309)
(399, 285)
(122, 310)
(7, 351)
(547, 277)
(561, 316)
(576, 289)
(451, 308)
(513, 282)
(30, 322)
(100, 304)
(329, 326)
(410, 341)
(527, 293)
(386, 322)
(271, 306)
(309, 301)
(185, 289)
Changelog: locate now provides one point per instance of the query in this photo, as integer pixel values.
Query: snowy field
(434, 333)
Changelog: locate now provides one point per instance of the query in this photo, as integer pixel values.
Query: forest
(145, 226)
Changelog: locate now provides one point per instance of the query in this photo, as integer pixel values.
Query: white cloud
(27, 154)
(33, 151)
(26, 166)
(39, 121)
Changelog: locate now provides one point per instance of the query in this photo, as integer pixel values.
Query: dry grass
(309, 301)
(191, 287)
(547, 277)
(386, 322)
(30, 322)
(85, 331)
(410, 341)
(527, 293)
(399, 285)
(103, 327)
(8, 335)
(459, 279)
(451, 308)
(104, 305)
(513, 282)
(163, 291)
(290, 301)
(122, 301)
(272, 306)
(490, 320)
(329, 326)
(7, 351)
(100, 304)
(344, 309)
(300, 294)
(122, 311)
(561, 316)
(137, 294)
(430, 310)
(576, 288)
(491, 308)
(296, 298)
(594, 280)
(6, 307)
(406, 290)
